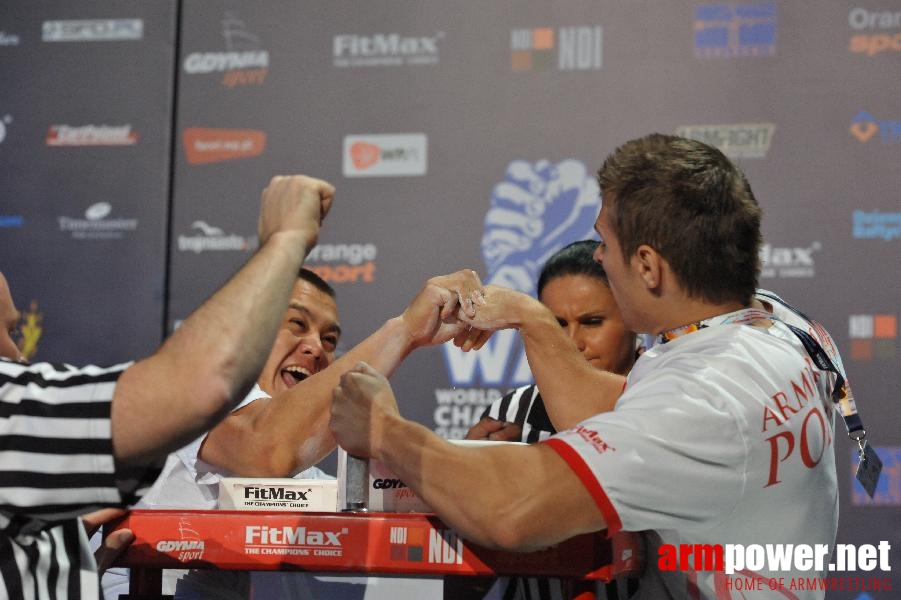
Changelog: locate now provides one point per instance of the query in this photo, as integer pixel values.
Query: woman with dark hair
(575, 288)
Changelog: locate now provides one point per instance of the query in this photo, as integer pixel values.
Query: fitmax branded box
(278, 494)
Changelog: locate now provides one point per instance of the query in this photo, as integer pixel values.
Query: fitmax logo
(788, 262)
(274, 493)
(291, 536)
(385, 49)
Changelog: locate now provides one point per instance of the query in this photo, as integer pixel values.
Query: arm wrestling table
(364, 542)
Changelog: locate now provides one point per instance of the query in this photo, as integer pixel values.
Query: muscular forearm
(505, 505)
(280, 436)
(199, 373)
(572, 389)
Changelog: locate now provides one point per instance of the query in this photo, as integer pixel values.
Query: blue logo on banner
(539, 208)
(888, 492)
(876, 225)
(11, 221)
(865, 126)
(729, 30)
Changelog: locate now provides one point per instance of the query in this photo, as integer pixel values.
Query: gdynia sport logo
(761, 566)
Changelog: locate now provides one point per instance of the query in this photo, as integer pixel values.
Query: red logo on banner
(204, 146)
(364, 154)
(91, 135)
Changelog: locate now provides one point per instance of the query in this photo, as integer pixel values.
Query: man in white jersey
(722, 435)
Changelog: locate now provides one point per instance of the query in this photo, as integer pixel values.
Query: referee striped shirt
(56, 462)
(524, 407)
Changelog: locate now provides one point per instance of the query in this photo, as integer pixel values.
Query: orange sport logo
(876, 31)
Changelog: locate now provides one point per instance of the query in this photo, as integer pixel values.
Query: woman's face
(585, 308)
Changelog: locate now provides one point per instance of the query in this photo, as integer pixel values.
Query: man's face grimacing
(306, 341)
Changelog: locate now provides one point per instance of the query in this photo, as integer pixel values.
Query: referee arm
(212, 360)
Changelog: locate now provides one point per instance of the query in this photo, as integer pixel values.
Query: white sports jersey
(722, 436)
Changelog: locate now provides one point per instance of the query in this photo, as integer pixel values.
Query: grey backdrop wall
(135, 139)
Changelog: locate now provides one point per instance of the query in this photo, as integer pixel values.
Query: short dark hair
(576, 258)
(690, 203)
(318, 282)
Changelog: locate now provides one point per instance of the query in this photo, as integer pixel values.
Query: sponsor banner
(385, 50)
(386, 543)
(873, 336)
(285, 494)
(244, 61)
(788, 262)
(343, 263)
(537, 209)
(203, 145)
(865, 126)
(93, 30)
(735, 29)
(96, 224)
(385, 155)
(876, 225)
(9, 39)
(737, 141)
(578, 48)
(12, 221)
(214, 239)
(91, 135)
(888, 491)
(874, 31)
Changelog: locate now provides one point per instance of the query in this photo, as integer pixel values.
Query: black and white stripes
(524, 407)
(56, 462)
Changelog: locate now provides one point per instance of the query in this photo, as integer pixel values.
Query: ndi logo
(873, 336)
(538, 208)
(566, 48)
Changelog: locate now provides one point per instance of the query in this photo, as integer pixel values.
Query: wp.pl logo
(385, 155)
